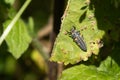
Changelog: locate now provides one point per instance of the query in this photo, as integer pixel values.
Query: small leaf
(18, 39)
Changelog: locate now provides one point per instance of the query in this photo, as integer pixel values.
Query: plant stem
(10, 26)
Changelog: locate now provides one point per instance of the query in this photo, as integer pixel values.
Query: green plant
(13, 28)
(98, 23)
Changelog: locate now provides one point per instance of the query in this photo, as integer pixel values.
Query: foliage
(80, 16)
(16, 41)
(98, 23)
(108, 70)
(17, 54)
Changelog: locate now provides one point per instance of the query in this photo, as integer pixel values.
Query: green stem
(10, 26)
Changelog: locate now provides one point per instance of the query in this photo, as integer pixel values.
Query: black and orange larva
(75, 35)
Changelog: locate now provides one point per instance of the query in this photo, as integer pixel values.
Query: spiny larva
(75, 35)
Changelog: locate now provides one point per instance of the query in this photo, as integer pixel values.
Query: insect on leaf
(65, 49)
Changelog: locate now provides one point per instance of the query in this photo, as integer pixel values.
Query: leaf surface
(106, 71)
(77, 14)
(18, 39)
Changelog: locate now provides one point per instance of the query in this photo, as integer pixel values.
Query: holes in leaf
(83, 16)
(84, 7)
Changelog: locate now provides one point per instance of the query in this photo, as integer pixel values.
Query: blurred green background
(31, 65)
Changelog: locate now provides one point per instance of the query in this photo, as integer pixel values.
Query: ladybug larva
(75, 35)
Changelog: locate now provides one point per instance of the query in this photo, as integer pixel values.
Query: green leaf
(108, 70)
(18, 39)
(111, 67)
(77, 14)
